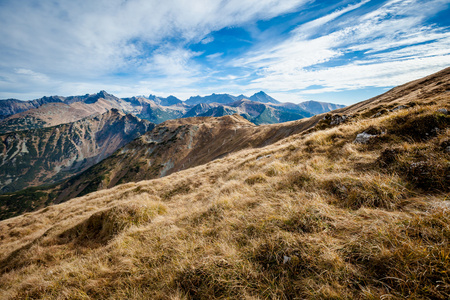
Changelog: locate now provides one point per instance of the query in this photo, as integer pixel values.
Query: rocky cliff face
(47, 155)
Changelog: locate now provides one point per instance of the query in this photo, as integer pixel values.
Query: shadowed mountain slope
(256, 112)
(316, 107)
(169, 101)
(214, 98)
(48, 155)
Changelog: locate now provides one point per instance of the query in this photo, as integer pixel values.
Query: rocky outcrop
(363, 138)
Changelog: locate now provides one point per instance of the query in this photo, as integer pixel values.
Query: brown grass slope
(176, 145)
(172, 146)
(313, 216)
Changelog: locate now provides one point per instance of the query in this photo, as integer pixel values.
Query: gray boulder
(363, 138)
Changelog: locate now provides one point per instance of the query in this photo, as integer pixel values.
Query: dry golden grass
(313, 216)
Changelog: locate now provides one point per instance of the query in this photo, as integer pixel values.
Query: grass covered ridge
(312, 216)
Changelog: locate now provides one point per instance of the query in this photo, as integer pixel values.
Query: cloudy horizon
(294, 50)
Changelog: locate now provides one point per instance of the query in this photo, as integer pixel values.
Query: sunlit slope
(349, 209)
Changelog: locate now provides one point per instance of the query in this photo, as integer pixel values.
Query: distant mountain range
(260, 108)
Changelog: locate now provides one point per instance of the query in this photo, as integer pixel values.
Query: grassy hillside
(355, 208)
(170, 147)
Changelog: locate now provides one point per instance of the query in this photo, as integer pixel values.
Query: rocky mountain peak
(104, 94)
(263, 97)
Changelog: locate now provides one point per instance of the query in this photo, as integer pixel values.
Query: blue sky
(295, 50)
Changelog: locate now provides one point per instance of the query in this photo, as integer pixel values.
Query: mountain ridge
(17, 115)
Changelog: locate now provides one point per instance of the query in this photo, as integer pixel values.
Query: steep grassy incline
(355, 208)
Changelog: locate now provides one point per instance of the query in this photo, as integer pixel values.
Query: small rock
(261, 157)
(286, 259)
(443, 110)
(337, 119)
(377, 114)
(363, 138)
(447, 149)
(400, 107)
(436, 130)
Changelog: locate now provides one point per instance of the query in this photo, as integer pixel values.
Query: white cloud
(85, 40)
(172, 62)
(397, 48)
(207, 40)
(100, 36)
(31, 74)
(214, 56)
(307, 28)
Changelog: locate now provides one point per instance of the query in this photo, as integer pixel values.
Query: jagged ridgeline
(50, 111)
(353, 204)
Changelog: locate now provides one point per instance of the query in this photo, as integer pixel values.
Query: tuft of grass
(419, 125)
(255, 178)
(307, 219)
(103, 226)
(367, 191)
(422, 168)
(295, 180)
(182, 188)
